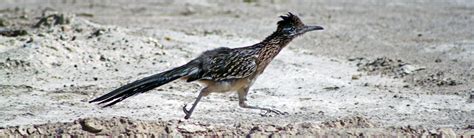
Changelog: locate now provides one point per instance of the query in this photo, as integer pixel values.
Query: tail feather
(143, 85)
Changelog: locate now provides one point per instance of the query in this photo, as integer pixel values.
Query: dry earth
(378, 68)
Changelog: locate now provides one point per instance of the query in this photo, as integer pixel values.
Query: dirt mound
(397, 68)
(353, 122)
(66, 49)
(88, 126)
(123, 126)
(437, 79)
(130, 127)
(386, 66)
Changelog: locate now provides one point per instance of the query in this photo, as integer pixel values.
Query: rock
(22, 130)
(189, 10)
(271, 129)
(97, 33)
(3, 132)
(332, 88)
(63, 37)
(447, 133)
(13, 33)
(305, 98)
(191, 128)
(31, 130)
(471, 97)
(53, 19)
(85, 14)
(40, 130)
(409, 69)
(3, 22)
(433, 132)
(307, 125)
(90, 126)
(102, 58)
(66, 28)
(256, 128)
(210, 127)
(355, 77)
(470, 126)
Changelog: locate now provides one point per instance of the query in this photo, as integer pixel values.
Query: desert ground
(385, 67)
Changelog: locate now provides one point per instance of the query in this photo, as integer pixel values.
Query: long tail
(143, 85)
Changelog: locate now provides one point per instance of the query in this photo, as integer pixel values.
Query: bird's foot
(277, 112)
(187, 112)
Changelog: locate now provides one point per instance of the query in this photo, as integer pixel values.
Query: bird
(222, 69)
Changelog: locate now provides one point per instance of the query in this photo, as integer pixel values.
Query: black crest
(290, 19)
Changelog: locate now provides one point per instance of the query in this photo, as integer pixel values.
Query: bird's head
(291, 26)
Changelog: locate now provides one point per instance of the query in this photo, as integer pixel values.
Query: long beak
(308, 28)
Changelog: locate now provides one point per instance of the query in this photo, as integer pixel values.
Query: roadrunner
(222, 69)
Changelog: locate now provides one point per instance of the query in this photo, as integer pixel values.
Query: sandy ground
(379, 67)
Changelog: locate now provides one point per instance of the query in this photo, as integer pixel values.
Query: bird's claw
(186, 111)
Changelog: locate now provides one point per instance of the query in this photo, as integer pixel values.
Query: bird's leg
(190, 111)
(243, 97)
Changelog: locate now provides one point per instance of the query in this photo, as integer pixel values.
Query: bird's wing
(231, 66)
(224, 64)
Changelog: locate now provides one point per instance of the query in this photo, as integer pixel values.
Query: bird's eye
(289, 29)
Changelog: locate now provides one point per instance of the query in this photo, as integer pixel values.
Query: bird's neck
(276, 40)
(274, 43)
(270, 47)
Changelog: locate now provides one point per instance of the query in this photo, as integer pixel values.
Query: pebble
(89, 126)
(40, 130)
(409, 69)
(270, 129)
(31, 130)
(191, 128)
(22, 131)
(447, 133)
(170, 129)
(65, 28)
(355, 77)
